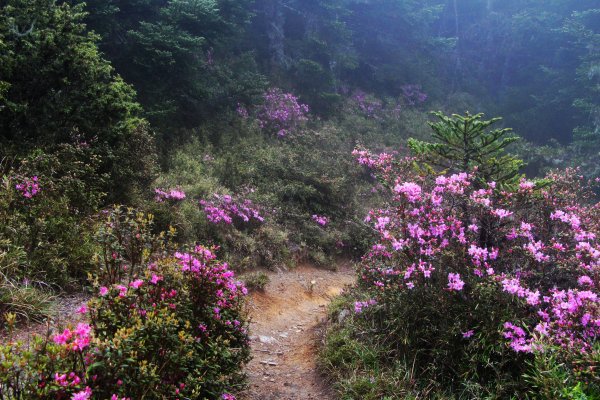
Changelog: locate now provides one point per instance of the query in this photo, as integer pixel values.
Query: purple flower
(320, 219)
(454, 282)
(29, 187)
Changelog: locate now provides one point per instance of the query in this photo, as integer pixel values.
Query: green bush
(256, 281)
(177, 329)
(174, 330)
(126, 242)
(360, 368)
(46, 235)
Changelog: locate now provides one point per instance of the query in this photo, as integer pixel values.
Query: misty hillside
(299, 199)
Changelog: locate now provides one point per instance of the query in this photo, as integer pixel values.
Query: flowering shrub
(367, 105)
(413, 94)
(47, 369)
(281, 113)
(242, 111)
(175, 331)
(45, 235)
(186, 311)
(173, 194)
(463, 271)
(226, 209)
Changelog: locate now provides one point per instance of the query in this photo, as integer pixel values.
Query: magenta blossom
(173, 194)
(320, 219)
(29, 187)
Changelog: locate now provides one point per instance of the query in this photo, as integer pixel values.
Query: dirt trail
(285, 325)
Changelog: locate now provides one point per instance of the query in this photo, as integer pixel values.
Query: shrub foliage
(473, 284)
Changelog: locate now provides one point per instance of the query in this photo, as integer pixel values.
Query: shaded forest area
(534, 63)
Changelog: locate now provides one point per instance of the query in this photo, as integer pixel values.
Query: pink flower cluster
(72, 379)
(518, 338)
(383, 163)
(359, 306)
(320, 219)
(29, 187)
(83, 395)
(571, 318)
(281, 113)
(454, 282)
(224, 208)
(411, 190)
(161, 195)
(449, 234)
(77, 339)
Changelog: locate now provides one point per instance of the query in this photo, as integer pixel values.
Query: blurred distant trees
(183, 56)
(192, 61)
(521, 59)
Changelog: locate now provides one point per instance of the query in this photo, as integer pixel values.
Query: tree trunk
(275, 33)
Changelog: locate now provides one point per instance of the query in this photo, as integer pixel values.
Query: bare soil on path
(286, 327)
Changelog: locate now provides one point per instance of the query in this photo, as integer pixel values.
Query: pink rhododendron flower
(501, 213)
(281, 113)
(83, 395)
(585, 280)
(411, 190)
(29, 187)
(359, 306)
(225, 208)
(122, 290)
(526, 185)
(64, 337)
(454, 282)
(320, 219)
(161, 195)
(137, 283)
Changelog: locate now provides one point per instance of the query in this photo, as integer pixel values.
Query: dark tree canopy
(55, 88)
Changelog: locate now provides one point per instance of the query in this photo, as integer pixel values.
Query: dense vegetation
(482, 284)
(132, 132)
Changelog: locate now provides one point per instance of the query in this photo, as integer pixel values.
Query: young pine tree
(465, 142)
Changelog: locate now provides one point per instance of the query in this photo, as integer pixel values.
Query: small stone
(343, 315)
(267, 339)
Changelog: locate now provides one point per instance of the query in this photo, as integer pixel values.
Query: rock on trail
(285, 326)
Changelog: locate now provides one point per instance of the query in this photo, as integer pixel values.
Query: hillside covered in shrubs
(156, 154)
